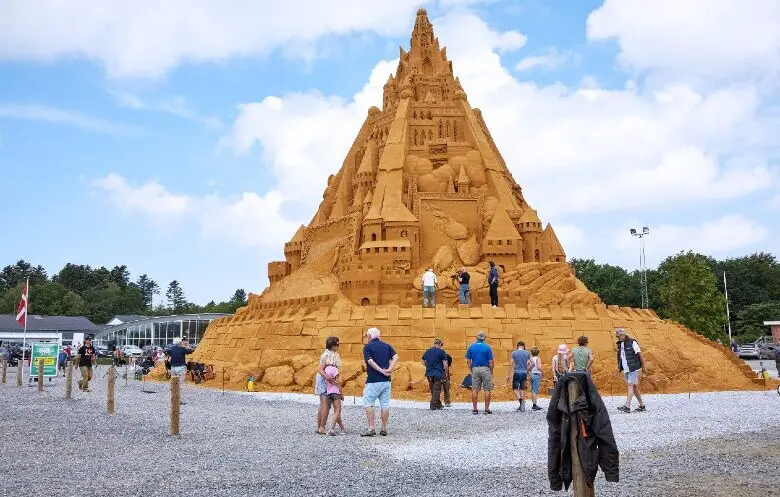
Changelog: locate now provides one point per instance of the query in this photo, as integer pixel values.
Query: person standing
(518, 372)
(630, 362)
(429, 288)
(330, 357)
(380, 359)
(734, 347)
(85, 359)
(479, 359)
(177, 355)
(435, 362)
(777, 361)
(582, 356)
(535, 367)
(560, 362)
(493, 282)
(62, 361)
(447, 382)
(464, 278)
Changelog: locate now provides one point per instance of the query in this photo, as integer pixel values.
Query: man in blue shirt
(479, 358)
(380, 359)
(435, 362)
(518, 372)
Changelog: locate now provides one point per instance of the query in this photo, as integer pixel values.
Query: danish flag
(21, 311)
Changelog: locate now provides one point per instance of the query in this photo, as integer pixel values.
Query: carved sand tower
(424, 185)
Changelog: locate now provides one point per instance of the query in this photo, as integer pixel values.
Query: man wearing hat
(435, 362)
(630, 362)
(85, 359)
(479, 358)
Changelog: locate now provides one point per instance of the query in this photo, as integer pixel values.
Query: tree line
(688, 288)
(98, 293)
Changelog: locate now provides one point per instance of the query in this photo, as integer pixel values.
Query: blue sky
(189, 141)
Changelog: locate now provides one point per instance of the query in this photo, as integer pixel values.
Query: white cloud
(550, 59)
(175, 105)
(721, 236)
(151, 199)
(147, 38)
(716, 39)
(249, 220)
(59, 116)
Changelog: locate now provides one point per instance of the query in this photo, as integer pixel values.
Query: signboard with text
(48, 352)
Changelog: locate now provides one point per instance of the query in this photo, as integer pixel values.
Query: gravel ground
(717, 444)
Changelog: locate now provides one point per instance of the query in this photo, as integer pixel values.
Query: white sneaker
(494, 307)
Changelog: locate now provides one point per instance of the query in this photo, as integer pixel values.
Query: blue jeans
(429, 295)
(536, 382)
(465, 296)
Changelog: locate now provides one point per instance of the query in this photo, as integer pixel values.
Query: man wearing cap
(630, 362)
(380, 359)
(479, 358)
(85, 359)
(429, 288)
(464, 278)
(435, 362)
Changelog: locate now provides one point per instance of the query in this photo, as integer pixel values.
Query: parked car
(748, 351)
(131, 350)
(767, 350)
(102, 351)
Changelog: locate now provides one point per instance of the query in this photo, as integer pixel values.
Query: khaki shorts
(482, 379)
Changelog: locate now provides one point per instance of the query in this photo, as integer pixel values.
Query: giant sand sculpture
(424, 185)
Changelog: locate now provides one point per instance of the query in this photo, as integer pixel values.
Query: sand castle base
(280, 348)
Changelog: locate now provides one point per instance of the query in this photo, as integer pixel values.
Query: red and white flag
(21, 311)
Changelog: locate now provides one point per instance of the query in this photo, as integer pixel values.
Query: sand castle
(424, 185)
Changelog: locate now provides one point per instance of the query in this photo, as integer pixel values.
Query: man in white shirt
(429, 288)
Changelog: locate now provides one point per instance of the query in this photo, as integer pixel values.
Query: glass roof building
(157, 330)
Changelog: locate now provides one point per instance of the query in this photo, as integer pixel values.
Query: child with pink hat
(560, 362)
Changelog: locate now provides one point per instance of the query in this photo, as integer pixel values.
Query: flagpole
(26, 315)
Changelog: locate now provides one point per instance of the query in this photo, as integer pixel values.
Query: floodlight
(645, 230)
(633, 231)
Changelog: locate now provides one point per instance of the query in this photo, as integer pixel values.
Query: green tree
(120, 275)
(102, 302)
(689, 294)
(13, 275)
(752, 279)
(749, 324)
(613, 284)
(176, 298)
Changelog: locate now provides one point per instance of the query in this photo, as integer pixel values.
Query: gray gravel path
(712, 445)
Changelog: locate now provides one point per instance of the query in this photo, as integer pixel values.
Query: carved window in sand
(447, 130)
(404, 234)
(537, 257)
(373, 237)
(414, 115)
(441, 129)
(455, 130)
(429, 117)
(427, 68)
(422, 138)
(430, 132)
(415, 137)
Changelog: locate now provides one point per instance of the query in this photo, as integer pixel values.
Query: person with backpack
(630, 363)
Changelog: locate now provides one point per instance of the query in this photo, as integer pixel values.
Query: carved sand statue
(424, 185)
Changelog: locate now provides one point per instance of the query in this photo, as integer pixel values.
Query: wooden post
(579, 482)
(5, 366)
(175, 404)
(68, 380)
(19, 371)
(111, 383)
(40, 374)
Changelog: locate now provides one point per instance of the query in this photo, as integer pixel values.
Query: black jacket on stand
(595, 441)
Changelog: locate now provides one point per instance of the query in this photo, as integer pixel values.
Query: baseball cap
(620, 331)
(481, 335)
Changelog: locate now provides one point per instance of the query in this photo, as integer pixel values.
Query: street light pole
(728, 316)
(645, 297)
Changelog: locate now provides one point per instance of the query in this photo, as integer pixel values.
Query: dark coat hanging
(595, 441)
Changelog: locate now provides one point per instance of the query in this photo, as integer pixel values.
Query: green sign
(48, 352)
